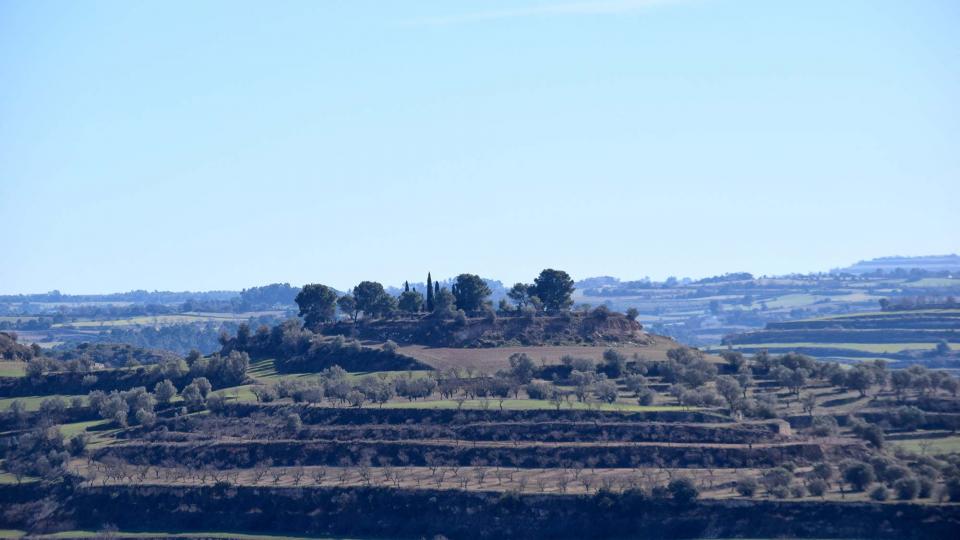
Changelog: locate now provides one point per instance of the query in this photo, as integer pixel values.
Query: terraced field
(490, 360)
(464, 449)
(893, 335)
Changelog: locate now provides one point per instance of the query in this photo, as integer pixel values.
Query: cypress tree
(406, 286)
(429, 293)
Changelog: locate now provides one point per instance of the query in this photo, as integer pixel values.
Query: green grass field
(240, 394)
(32, 403)
(69, 430)
(930, 446)
(13, 369)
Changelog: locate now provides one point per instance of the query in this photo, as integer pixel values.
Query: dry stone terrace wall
(478, 515)
(372, 415)
(398, 453)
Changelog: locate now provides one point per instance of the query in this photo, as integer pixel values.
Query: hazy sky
(220, 145)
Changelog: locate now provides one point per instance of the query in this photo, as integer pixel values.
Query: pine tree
(429, 293)
(406, 286)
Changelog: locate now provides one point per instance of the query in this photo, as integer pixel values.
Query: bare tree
(318, 475)
(297, 475)
(563, 482)
(260, 470)
(481, 474)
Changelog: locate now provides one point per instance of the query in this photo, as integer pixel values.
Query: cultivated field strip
(559, 480)
(263, 427)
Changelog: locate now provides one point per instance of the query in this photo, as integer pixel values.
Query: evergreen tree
(471, 292)
(406, 286)
(429, 293)
(318, 304)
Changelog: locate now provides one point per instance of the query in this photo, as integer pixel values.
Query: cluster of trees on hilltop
(551, 291)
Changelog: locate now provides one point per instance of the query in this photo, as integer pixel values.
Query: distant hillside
(701, 312)
(891, 265)
(927, 335)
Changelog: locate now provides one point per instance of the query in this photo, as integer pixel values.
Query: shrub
(579, 364)
(907, 488)
(356, 398)
(895, 472)
(78, 444)
(926, 488)
(746, 486)
(817, 487)
(858, 474)
(778, 477)
(614, 363)
(216, 402)
(646, 397)
(871, 433)
(780, 492)
(538, 390)
(798, 491)
(606, 391)
(879, 493)
(823, 426)
(683, 490)
(823, 471)
(953, 488)
(909, 417)
(145, 418)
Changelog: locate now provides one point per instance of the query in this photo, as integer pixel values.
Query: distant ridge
(887, 265)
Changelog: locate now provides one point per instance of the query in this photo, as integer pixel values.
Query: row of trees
(551, 291)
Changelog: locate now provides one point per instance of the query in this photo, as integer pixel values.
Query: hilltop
(597, 327)
(697, 312)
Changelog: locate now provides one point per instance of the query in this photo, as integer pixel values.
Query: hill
(894, 265)
(688, 447)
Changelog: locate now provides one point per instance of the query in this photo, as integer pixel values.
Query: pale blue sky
(219, 145)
